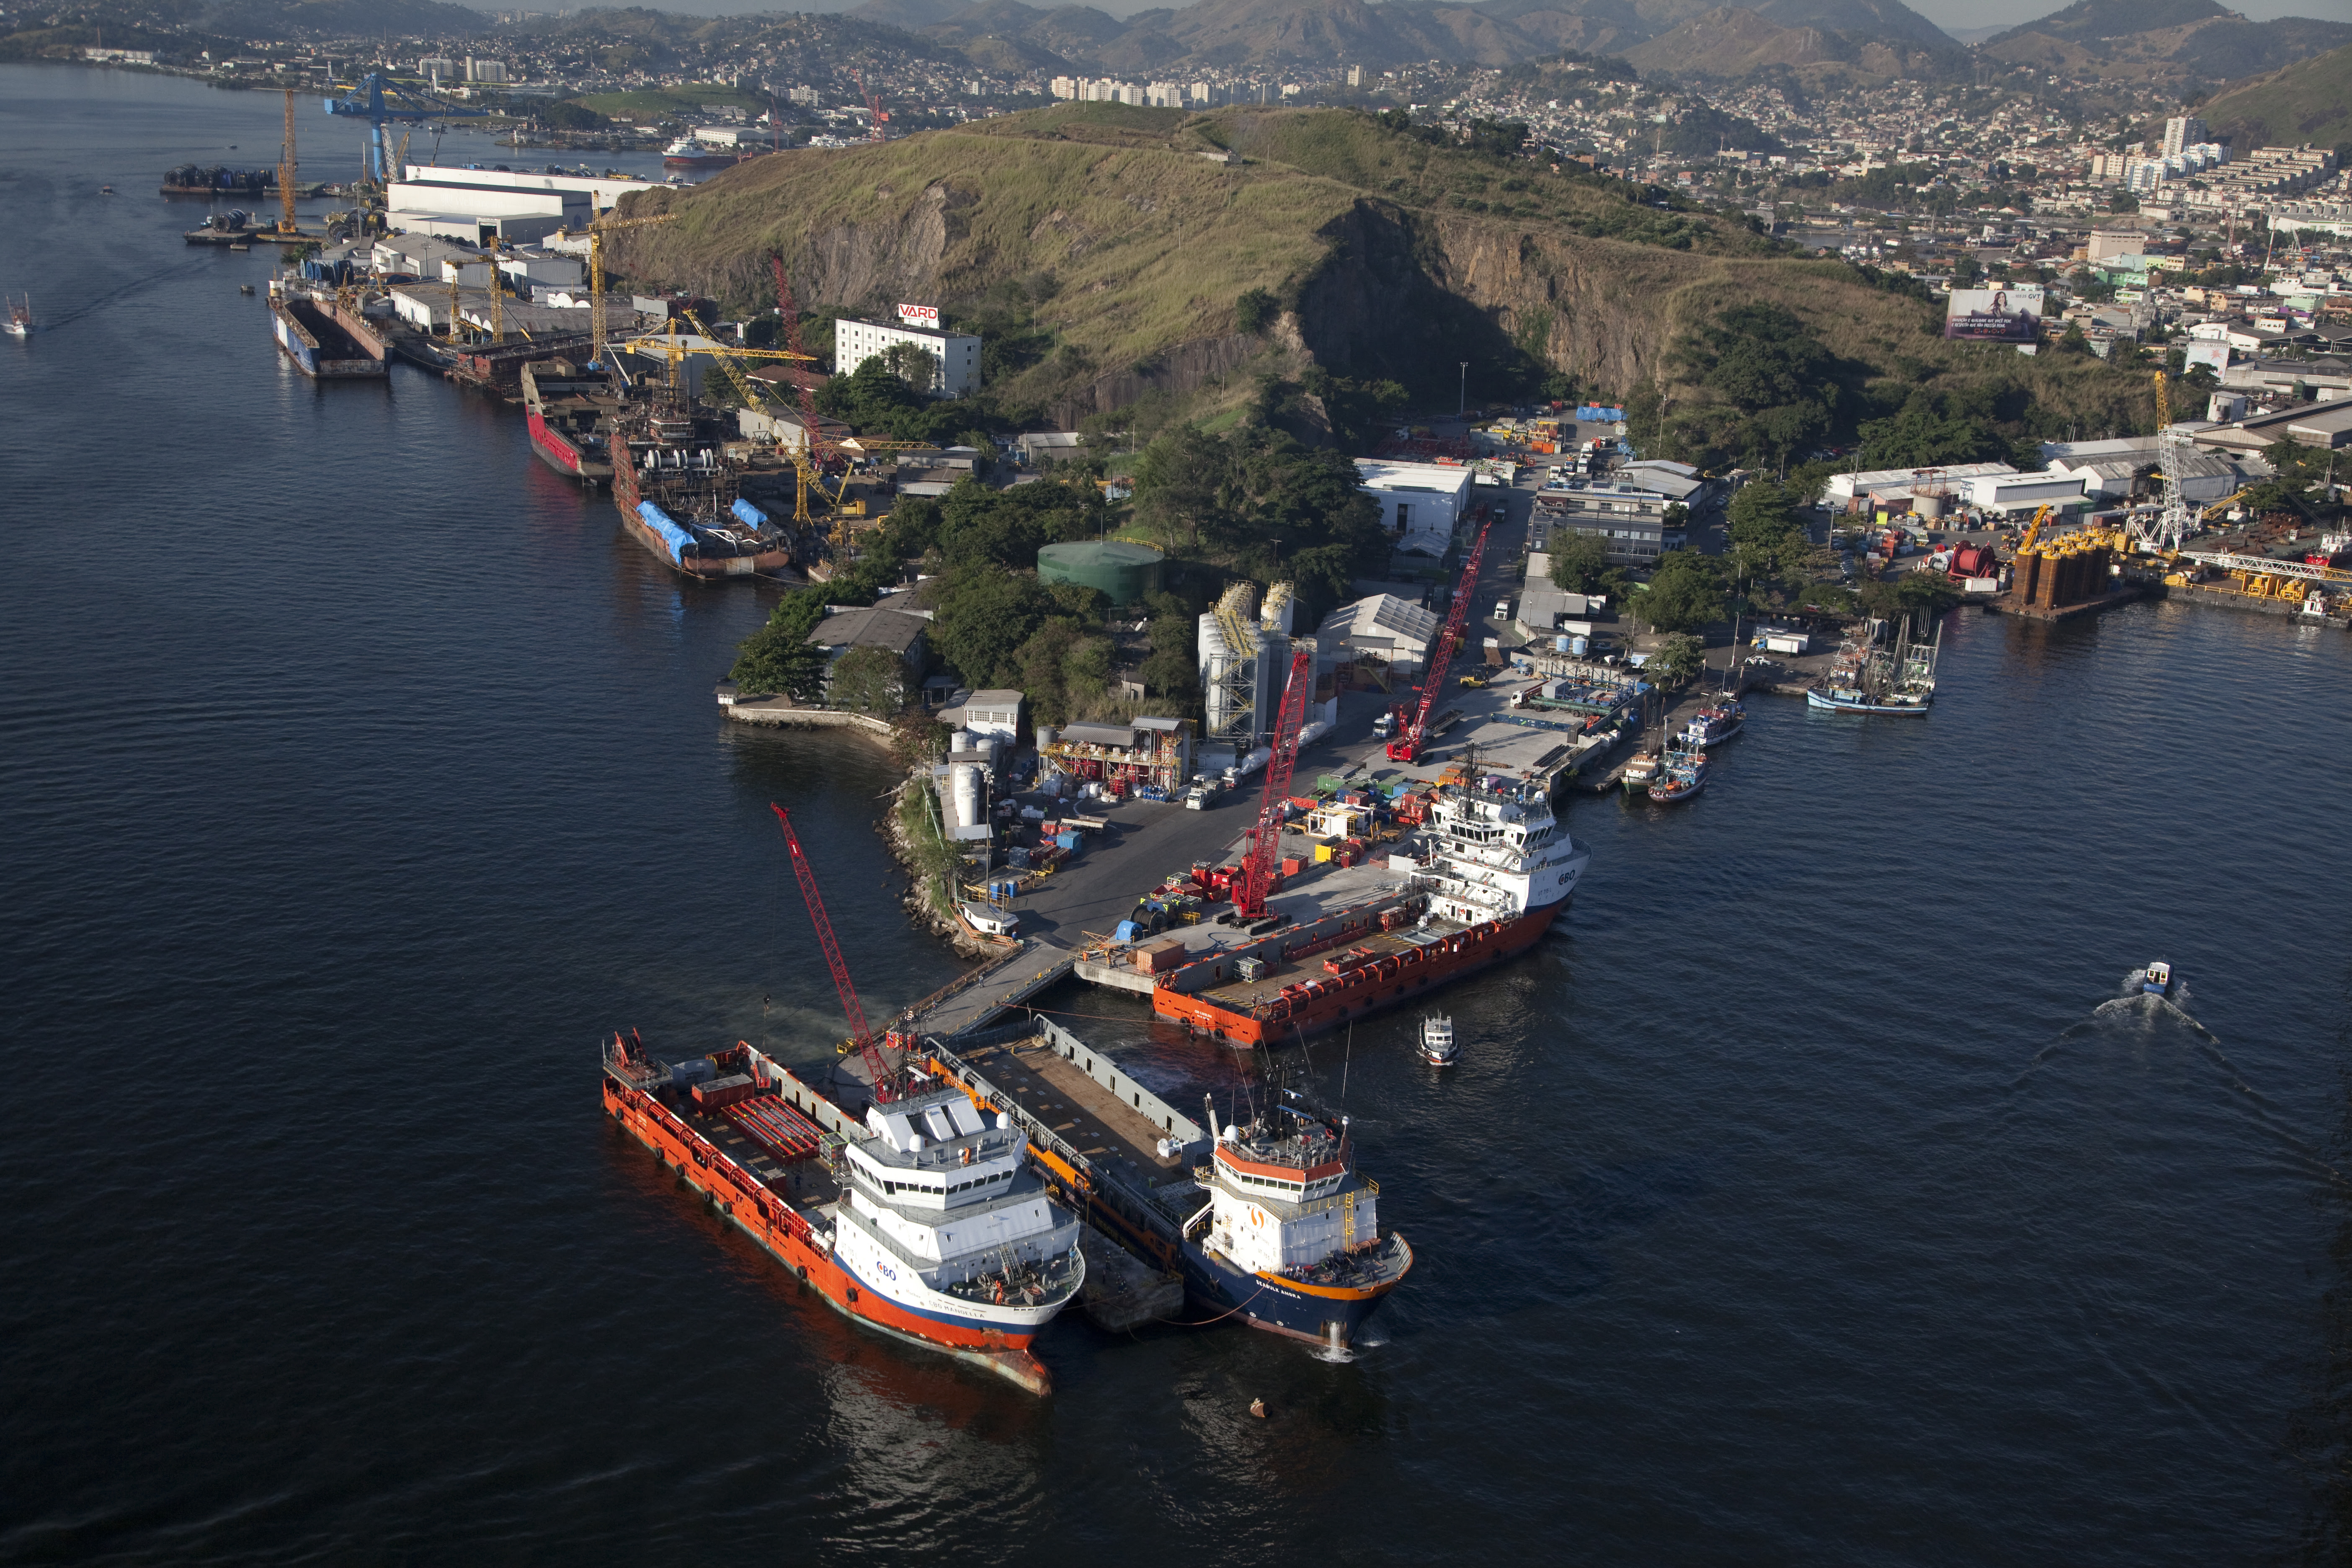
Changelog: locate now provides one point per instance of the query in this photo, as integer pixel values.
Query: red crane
(873, 107)
(1406, 747)
(789, 308)
(1256, 880)
(886, 1076)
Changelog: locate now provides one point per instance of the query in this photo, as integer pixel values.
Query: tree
(2072, 341)
(1678, 660)
(1255, 310)
(779, 658)
(913, 363)
(984, 618)
(1684, 594)
(1767, 538)
(1579, 564)
(867, 681)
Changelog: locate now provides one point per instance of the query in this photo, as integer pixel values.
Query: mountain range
(2310, 100)
(2170, 42)
(2163, 42)
(1229, 33)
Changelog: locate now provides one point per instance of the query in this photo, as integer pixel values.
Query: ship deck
(1241, 995)
(804, 1184)
(1075, 1107)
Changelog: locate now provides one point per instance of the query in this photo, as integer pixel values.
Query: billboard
(1995, 315)
(2214, 357)
(925, 316)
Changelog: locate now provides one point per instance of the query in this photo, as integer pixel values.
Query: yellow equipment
(597, 230)
(2033, 530)
(287, 225)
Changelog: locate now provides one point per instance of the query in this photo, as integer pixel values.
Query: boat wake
(2131, 1005)
(1337, 1355)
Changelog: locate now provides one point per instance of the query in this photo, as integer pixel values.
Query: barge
(325, 342)
(923, 1221)
(1483, 879)
(680, 495)
(568, 408)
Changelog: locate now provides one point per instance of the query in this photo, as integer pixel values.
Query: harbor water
(1796, 1200)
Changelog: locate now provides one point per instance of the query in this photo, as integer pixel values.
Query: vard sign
(920, 315)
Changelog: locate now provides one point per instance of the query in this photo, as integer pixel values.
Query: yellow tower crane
(608, 224)
(286, 224)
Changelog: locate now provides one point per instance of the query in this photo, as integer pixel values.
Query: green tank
(1124, 572)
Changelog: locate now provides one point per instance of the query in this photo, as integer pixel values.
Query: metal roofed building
(1384, 625)
(907, 635)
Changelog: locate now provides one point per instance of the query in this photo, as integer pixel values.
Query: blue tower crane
(378, 101)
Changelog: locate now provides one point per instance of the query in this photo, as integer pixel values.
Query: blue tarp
(1599, 413)
(746, 512)
(677, 538)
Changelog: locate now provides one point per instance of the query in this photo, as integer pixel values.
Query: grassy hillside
(2310, 100)
(1108, 261)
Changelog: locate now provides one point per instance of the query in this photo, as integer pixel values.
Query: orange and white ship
(923, 1221)
(1483, 879)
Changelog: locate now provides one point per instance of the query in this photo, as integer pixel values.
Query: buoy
(1257, 1408)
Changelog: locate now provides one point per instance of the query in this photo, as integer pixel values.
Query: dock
(1110, 1147)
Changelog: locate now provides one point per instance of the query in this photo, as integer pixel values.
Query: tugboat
(19, 323)
(1438, 1046)
(1290, 1238)
(2156, 980)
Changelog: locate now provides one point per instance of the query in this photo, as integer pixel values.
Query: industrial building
(1382, 628)
(1245, 654)
(1628, 519)
(1142, 754)
(1125, 573)
(1421, 503)
(958, 353)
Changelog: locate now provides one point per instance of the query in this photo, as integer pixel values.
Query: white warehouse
(854, 343)
(1421, 503)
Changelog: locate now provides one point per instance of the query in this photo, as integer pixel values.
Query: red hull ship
(1491, 869)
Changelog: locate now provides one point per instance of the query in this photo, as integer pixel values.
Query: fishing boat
(1438, 1046)
(1877, 672)
(1290, 1239)
(19, 323)
(1681, 774)
(1718, 721)
(2156, 980)
(1639, 770)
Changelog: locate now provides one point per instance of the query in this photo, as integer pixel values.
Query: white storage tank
(963, 789)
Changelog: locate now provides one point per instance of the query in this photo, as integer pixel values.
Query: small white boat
(2157, 979)
(1438, 1046)
(19, 323)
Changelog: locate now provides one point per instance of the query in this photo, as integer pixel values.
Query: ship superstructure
(1290, 1239)
(1491, 848)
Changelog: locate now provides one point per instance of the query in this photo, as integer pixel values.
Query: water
(359, 772)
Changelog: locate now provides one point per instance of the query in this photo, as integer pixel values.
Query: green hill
(1108, 262)
(2310, 100)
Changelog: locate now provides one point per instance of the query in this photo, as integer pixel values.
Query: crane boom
(1406, 747)
(861, 1037)
(1252, 888)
